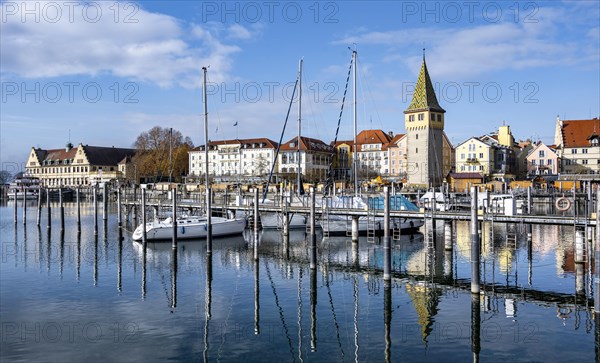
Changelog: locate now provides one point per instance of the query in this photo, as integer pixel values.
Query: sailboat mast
(208, 207)
(355, 151)
(170, 154)
(298, 179)
(205, 126)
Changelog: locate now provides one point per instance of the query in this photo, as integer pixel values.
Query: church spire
(424, 98)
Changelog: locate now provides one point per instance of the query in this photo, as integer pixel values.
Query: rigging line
(364, 81)
(337, 130)
(281, 316)
(280, 140)
(216, 108)
(315, 130)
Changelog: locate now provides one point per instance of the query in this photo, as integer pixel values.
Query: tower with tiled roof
(424, 124)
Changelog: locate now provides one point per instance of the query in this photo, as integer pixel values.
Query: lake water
(69, 297)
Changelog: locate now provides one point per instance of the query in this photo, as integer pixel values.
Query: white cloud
(469, 51)
(154, 48)
(236, 31)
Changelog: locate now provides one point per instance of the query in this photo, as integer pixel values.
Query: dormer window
(594, 141)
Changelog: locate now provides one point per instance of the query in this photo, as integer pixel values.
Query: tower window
(439, 117)
(432, 117)
(416, 136)
(416, 150)
(421, 117)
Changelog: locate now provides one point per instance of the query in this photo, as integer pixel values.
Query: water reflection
(429, 288)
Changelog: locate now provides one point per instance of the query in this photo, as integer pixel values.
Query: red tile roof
(307, 143)
(577, 133)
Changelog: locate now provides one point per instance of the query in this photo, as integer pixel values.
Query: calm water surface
(73, 298)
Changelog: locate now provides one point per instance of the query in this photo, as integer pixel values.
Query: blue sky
(106, 71)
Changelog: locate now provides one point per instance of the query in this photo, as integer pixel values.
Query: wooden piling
(387, 320)
(104, 202)
(78, 196)
(95, 191)
(255, 224)
(39, 207)
(48, 209)
(62, 209)
(387, 256)
(355, 229)
(16, 202)
(144, 241)
(475, 255)
(313, 234)
(208, 220)
(448, 235)
(579, 246)
(174, 218)
(119, 222)
(313, 310)
(24, 206)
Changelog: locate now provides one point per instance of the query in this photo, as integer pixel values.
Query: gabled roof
(486, 143)
(99, 155)
(306, 144)
(337, 144)
(372, 137)
(244, 143)
(396, 139)
(578, 133)
(424, 98)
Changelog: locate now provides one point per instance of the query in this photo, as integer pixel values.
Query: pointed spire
(424, 97)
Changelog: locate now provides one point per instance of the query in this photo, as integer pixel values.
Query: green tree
(5, 177)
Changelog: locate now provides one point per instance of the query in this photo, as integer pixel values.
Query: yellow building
(475, 156)
(81, 165)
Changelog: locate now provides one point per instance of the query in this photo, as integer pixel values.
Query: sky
(100, 73)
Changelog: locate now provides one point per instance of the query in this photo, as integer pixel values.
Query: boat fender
(563, 204)
(182, 230)
(206, 227)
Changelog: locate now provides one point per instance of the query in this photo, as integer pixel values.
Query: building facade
(578, 146)
(80, 166)
(238, 157)
(542, 160)
(313, 156)
(424, 124)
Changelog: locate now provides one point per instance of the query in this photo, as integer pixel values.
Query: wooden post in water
(78, 196)
(529, 200)
(387, 255)
(48, 208)
(475, 327)
(144, 216)
(119, 223)
(24, 206)
(286, 229)
(209, 219)
(313, 234)
(387, 320)
(174, 218)
(39, 207)
(16, 202)
(256, 299)
(256, 224)
(135, 208)
(475, 255)
(354, 229)
(104, 202)
(313, 310)
(579, 246)
(62, 209)
(448, 235)
(95, 191)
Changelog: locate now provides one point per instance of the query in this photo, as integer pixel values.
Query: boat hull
(163, 231)
(338, 224)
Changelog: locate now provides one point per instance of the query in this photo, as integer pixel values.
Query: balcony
(472, 161)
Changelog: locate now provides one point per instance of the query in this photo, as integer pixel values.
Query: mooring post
(387, 255)
(475, 327)
(475, 256)
(256, 299)
(16, 202)
(256, 224)
(62, 209)
(174, 218)
(104, 202)
(579, 246)
(448, 235)
(39, 207)
(119, 222)
(529, 200)
(313, 233)
(78, 197)
(95, 191)
(286, 231)
(144, 216)
(354, 229)
(209, 220)
(135, 208)
(48, 208)
(24, 206)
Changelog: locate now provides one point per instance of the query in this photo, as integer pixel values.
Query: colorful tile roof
(424, 98)
(577, 133)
